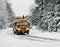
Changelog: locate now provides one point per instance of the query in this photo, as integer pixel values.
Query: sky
(21, 7)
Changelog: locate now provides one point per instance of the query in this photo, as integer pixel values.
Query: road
(33, 38)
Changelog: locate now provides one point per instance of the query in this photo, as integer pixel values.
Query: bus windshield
(22, 23)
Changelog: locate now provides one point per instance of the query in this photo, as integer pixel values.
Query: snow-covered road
(8, 39)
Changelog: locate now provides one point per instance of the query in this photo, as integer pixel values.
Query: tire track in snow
(24, 37)
(32, 38)
(43, 38)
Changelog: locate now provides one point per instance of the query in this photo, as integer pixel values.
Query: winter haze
(21, 7)
(42, 30)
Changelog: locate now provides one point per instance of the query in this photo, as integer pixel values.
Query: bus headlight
(27, 28)
(19, 29)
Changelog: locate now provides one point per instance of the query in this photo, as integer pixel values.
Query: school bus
(21, 26)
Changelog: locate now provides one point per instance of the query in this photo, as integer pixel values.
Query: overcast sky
(21, 7)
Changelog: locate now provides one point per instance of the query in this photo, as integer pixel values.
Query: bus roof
(21, 20)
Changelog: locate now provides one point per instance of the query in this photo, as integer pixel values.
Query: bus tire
(17, 33)
(14, 32)
(28, 32)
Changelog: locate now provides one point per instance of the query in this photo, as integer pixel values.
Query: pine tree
(6, 14)
(44, 15)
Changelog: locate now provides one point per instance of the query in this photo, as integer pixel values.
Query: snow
(53, 35)
(8, 39)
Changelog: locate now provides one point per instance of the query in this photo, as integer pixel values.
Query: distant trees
(7, 16)
(46, 14)
(11, 14)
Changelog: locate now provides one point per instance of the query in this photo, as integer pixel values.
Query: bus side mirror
(15, 23)
(30, 27)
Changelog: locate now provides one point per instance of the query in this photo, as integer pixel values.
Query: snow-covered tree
(11, 14)
(45, 15)
(6, 14)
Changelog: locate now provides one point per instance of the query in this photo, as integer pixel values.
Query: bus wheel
(17, 33)
(28, 32)
(14, 32)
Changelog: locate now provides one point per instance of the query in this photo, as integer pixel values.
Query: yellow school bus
(21, 26)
